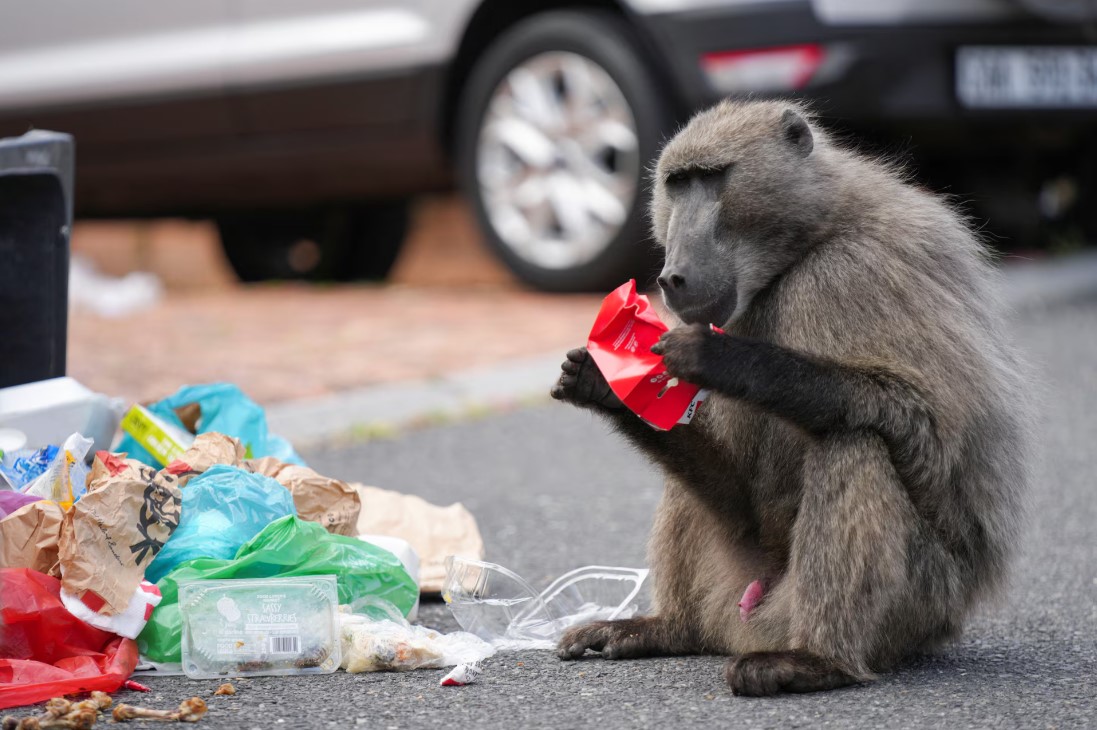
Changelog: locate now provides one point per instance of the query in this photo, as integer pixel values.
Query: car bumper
(864, 73)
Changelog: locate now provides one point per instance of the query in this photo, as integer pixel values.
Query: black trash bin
(35, 221)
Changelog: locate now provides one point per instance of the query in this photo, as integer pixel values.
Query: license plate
(1027, 77)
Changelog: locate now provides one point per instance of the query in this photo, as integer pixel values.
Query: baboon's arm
(818, 395)
(687, 452)
(691, 454)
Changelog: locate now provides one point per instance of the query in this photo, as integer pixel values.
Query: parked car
(304, 127)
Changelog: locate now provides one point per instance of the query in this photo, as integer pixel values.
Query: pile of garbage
(199, 517)
(197, 542)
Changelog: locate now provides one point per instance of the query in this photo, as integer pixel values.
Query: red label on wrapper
(620, 343)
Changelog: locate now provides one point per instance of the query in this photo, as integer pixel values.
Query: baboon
(854, 483)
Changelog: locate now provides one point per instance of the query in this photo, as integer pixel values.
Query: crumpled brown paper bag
(434, 532)
(114, 532)
(209, 449)
(30, 535)
(107, 465)
(331, 502)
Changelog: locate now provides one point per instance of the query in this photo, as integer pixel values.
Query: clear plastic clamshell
(499, 606)
(262, 626)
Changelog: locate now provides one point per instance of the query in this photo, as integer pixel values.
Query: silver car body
(68, 52)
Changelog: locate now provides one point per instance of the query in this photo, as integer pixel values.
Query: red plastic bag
(45, 651)
(620, 343)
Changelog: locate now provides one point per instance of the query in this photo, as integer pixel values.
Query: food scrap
(62, 713)
(226, 689)
(190, 710)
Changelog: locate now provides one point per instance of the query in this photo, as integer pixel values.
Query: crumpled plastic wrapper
(394, 645)
(462, 675)
(620, 344)
(64, 479)
(333, 503)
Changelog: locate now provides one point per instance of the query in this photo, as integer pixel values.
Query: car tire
(625, 249)
(345, 243)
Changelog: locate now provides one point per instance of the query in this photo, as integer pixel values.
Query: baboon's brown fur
(864, 452)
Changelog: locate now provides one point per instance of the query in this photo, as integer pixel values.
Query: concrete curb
(1027, 287)
(400, 404)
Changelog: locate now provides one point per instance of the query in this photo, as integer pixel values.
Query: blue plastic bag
(225, 409)
(223, 508)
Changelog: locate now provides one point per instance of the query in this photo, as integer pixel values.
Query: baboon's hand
(582, 383)
(687, 352)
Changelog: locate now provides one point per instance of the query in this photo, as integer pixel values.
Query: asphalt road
(554, 490)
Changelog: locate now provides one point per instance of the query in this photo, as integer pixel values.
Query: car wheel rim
(557, 160)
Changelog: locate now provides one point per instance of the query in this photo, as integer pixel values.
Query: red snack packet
(620, 343)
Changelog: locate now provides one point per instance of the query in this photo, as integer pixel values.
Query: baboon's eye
(678, 177)
(707, 175)
(712, 176)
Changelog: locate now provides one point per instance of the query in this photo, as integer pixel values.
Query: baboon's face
(730, 191)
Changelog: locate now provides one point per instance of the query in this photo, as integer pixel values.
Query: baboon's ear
(797, 132)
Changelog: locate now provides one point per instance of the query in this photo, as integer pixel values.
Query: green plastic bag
(287, 547)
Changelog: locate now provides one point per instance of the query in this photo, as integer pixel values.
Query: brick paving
(450, 307)
(285, 342)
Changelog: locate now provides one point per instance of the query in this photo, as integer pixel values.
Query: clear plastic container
(262, 626)
(497, 605)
